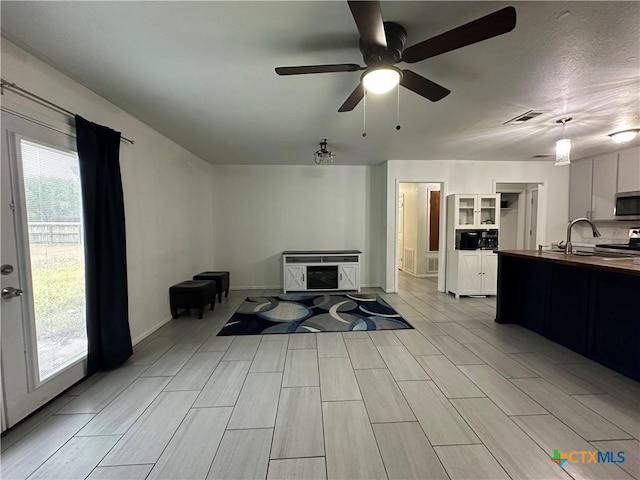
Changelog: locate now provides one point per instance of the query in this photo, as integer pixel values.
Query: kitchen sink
(605, 255)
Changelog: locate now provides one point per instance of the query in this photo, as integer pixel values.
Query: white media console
(321, 270)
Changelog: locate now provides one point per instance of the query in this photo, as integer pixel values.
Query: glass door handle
(10, 292)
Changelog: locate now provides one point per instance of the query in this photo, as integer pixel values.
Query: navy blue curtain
(105, 246)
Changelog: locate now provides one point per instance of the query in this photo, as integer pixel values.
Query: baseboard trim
(279, 287)
(421, 275)
(144, 335)
(256, 287)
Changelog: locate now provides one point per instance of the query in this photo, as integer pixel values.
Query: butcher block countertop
(616, 265)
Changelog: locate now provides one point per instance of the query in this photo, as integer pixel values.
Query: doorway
(519, 208)
(418, 236)
(44, 341)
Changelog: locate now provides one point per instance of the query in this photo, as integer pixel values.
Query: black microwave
(476, 239)
(627, 206)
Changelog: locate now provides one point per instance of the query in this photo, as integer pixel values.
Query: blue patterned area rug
(304, 313)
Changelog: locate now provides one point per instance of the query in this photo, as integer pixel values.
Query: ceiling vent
(542, 155)
(526, 116)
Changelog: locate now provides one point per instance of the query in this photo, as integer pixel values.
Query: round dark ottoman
(221, 279)
(192, 294)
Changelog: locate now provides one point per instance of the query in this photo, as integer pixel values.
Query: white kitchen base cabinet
(325, 270)
(472, 272)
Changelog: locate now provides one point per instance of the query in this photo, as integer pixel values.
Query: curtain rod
(43, 101)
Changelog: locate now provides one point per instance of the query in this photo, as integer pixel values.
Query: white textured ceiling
(202, 74)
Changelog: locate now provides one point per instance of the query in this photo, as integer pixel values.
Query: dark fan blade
(489, 26)
(368, 17)
(420, 85)
(353, 99)
(340, 67)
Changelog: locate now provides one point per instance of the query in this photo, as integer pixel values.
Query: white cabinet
(295, 277)
(580, 184)
(348, 277)
(592, 188)
(475, 211)
(629, 170)
(469, 267)
(489, 273)
(325, 270)
(605, 176)
(595, 181)
(472, 272)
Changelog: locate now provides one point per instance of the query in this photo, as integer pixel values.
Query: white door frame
(400, 233)
(442, 253)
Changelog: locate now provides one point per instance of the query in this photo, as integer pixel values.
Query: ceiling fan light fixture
(381, 79)
(625, 135)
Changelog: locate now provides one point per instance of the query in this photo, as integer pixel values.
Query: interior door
(434, 221)
(43, 345)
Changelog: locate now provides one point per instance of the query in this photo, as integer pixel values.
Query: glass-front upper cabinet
(476, 211)
(465, 208)
(489, 210)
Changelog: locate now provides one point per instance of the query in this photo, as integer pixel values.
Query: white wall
(264, 210)
(462, 176)
(167, 190)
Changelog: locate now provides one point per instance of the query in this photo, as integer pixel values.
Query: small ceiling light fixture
(563, 147)
(323, 155)
(381, 78)
(625, 135)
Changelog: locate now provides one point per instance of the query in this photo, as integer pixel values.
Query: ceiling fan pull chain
(364, 113)
(398, 110)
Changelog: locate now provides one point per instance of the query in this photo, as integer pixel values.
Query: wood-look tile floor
(459, 397)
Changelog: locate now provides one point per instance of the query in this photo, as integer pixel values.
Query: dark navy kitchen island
(587, 304)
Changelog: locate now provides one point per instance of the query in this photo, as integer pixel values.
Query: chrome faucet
(568, 246)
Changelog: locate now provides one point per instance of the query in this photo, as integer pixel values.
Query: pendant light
(563, 147)
(323, 154)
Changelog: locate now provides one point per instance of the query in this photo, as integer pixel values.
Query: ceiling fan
(382, 46)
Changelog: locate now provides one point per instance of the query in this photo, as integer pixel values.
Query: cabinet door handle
(340, 276)
(303, 277)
